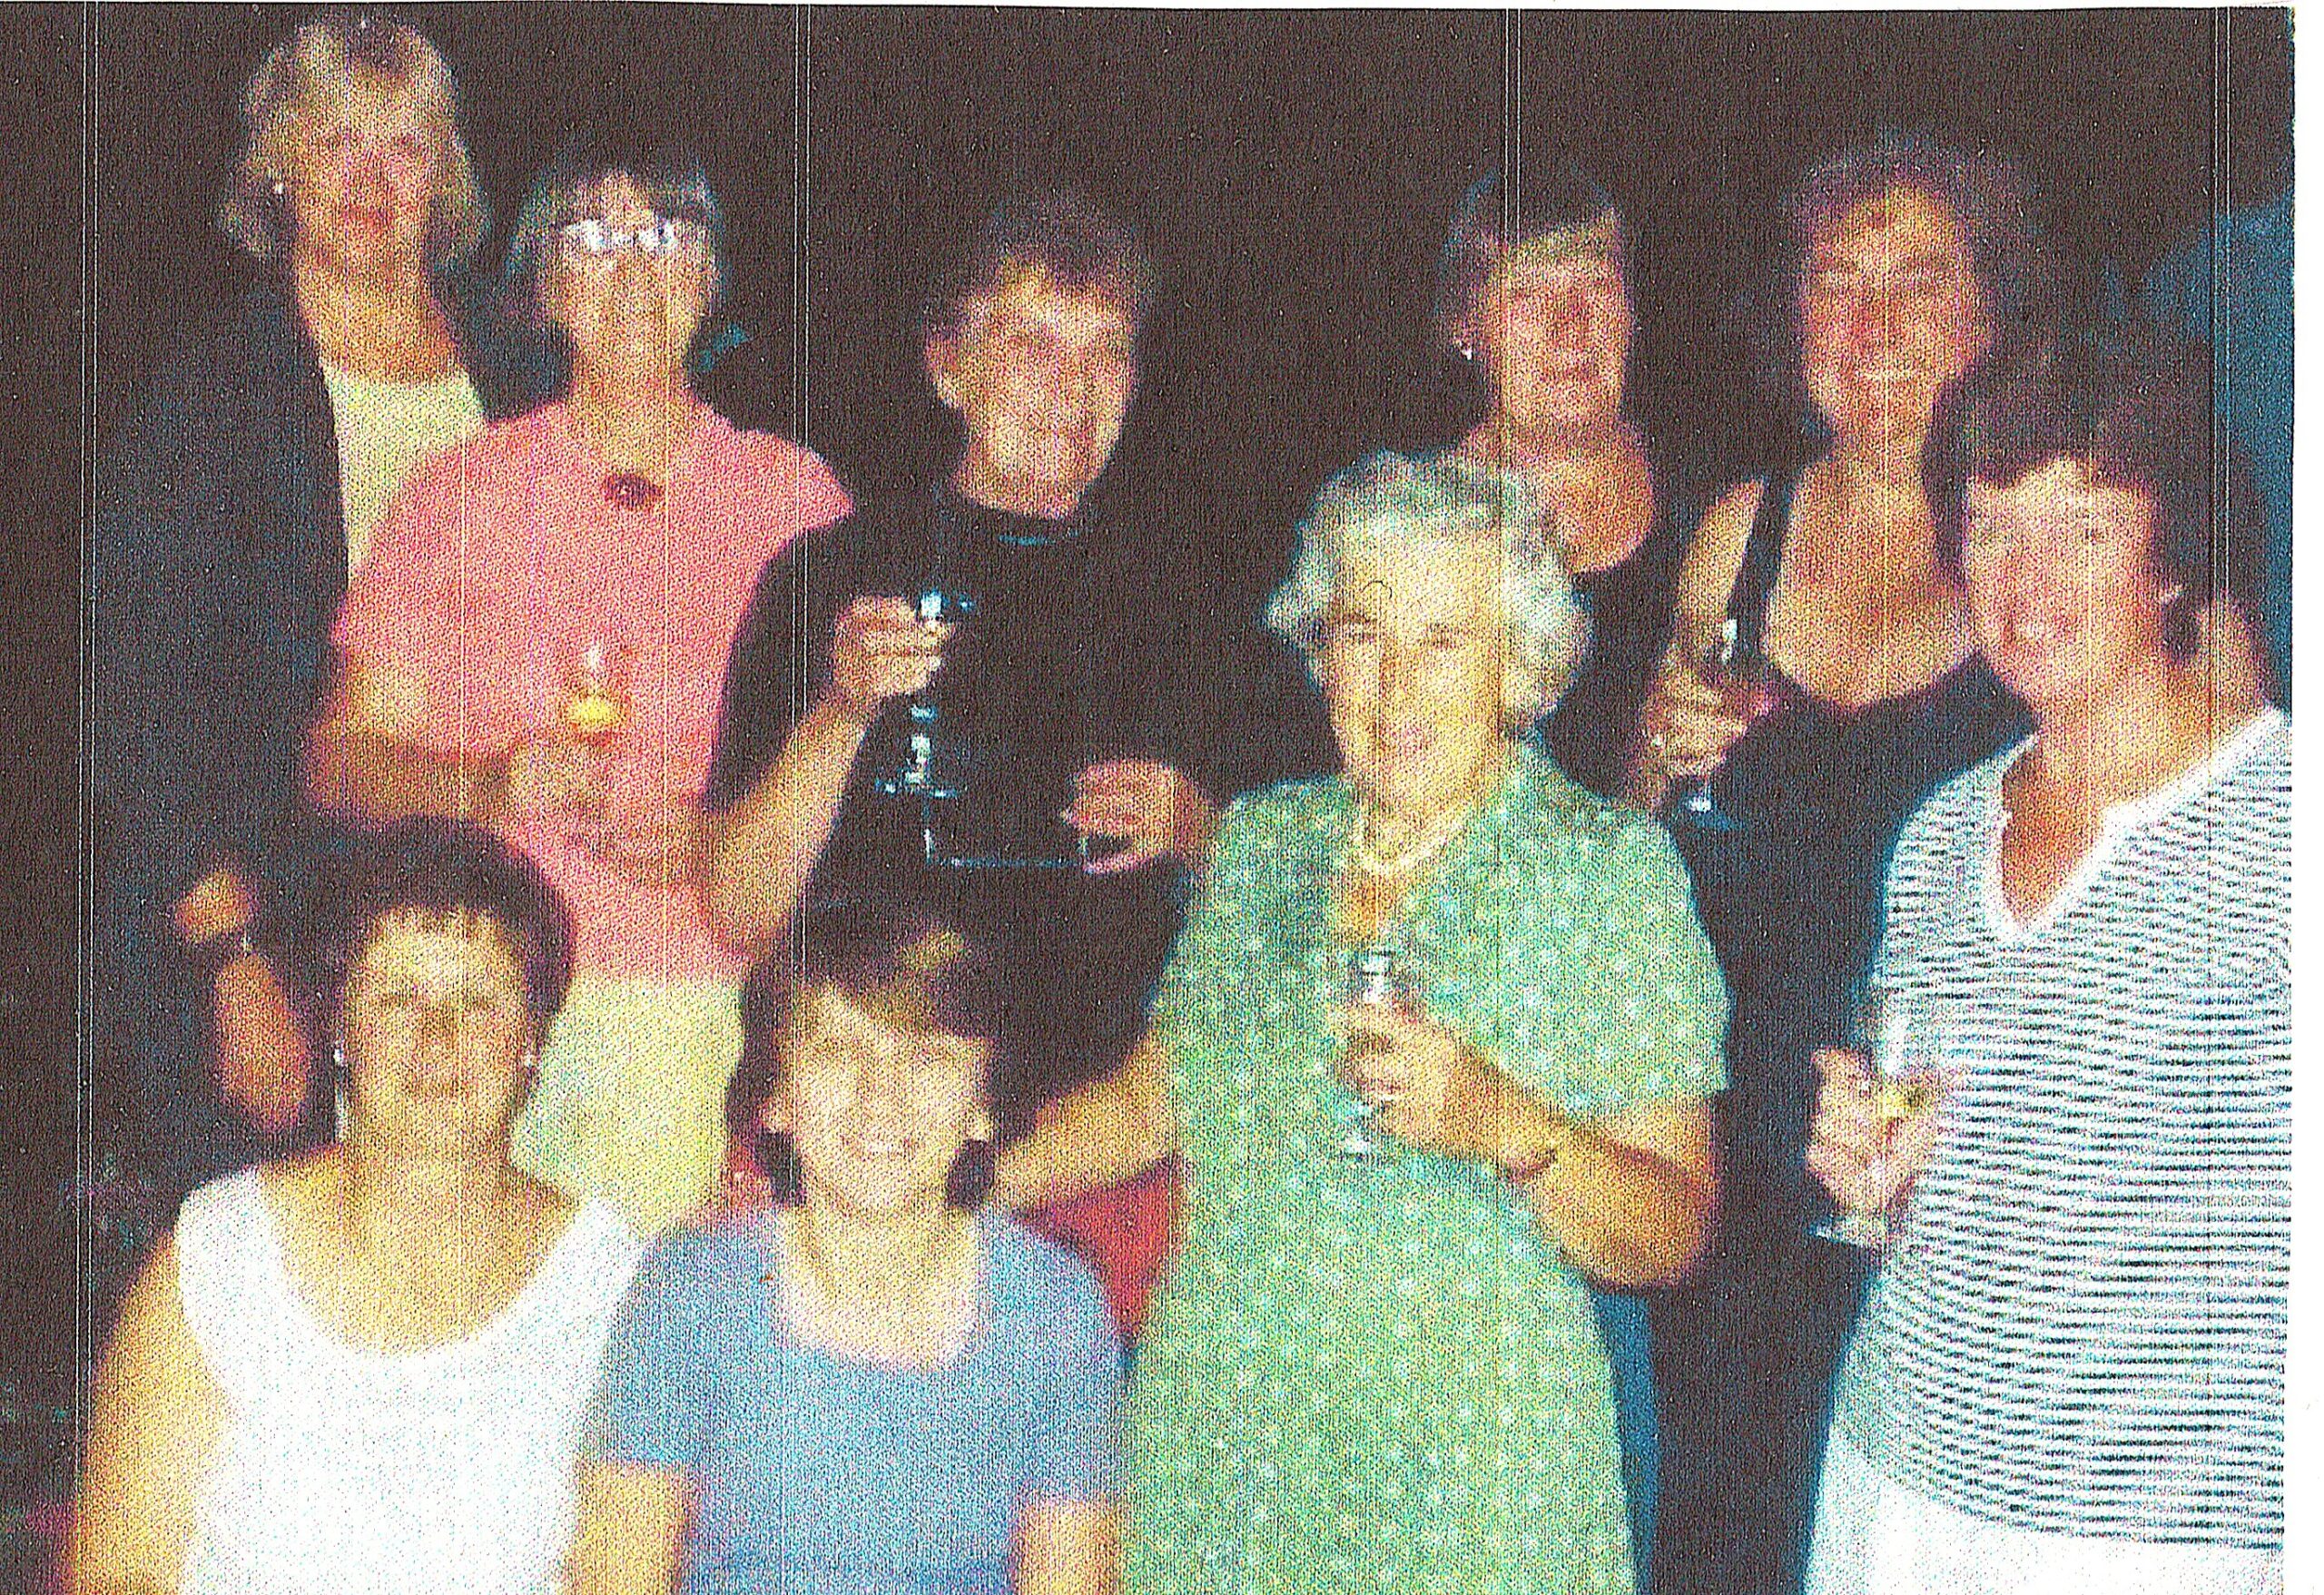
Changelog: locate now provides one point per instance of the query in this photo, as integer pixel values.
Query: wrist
(1524, 1159)
(846, 713)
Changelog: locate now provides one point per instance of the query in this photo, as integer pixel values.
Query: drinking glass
(1713, 649)
(1378, 977)
(922, 771)
(1905, 1072)
(595, 713)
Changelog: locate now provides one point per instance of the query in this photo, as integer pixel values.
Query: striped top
(2080, 1328)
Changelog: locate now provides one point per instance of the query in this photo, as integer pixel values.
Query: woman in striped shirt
(2069, 1376)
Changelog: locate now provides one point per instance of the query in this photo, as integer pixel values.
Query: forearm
(1098, 1135)
(355, 769)
(1625, 1213)
(1621, 1214)
(763, 849)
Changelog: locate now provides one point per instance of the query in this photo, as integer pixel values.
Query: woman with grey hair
(539, 641)
(230, 510)
(1435, 1043)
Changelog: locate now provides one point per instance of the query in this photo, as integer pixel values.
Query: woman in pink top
(538, 639)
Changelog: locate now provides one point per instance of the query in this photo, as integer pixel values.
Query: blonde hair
(321, 62)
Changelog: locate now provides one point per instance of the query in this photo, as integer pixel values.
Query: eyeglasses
(600, 243)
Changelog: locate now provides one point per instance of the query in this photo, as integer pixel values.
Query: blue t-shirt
(815, 1475)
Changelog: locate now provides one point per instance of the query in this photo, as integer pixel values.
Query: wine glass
(1713, 648)
(595, 712)
(921, 770)
(1904, 1073)
(1378, 977)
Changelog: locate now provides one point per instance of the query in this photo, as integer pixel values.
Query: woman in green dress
(1435, 1044)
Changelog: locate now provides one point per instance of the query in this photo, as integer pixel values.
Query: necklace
(1437, 833)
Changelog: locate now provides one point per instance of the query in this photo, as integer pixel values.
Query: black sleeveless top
(1630, 607)
(1791, 895)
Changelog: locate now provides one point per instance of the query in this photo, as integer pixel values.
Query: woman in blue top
(874, 1388)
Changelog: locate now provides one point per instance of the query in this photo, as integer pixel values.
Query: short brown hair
(320, 59)
(1061, 233)
(1985, 194)
(2133, 407)
(906, 965)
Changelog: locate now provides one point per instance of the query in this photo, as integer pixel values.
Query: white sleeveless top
(443, 1471)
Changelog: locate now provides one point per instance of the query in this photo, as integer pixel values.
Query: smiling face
(361, 166)
(878, 1110)
(1889, 313)
(437, 1035)
(1042, 377)
(2060, 577)
(632, 311)
(1552, 328)
(1413, 651)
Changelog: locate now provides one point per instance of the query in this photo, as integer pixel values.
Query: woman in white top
(363, 1370)
(2069, 1376)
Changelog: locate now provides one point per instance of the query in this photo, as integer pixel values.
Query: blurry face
(2060, 579)
(1889, 313)
(1041, 378)
(362, 170)
(878, 1112)
(632, 309)
(437, 1036)
(1552, 328)
(1414, 650)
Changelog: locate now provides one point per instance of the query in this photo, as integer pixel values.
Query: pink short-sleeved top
(502, 559)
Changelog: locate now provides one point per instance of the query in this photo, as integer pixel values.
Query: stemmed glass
(921, 773)
(1378, 977)
(595, 713)
(1713, 648)
(1905, 1071)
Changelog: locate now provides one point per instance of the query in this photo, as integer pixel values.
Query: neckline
(1790, 693)
(1409, 921)
(467, 1345)
(986, 523)
(2117, 825)
(593, 472)
(774, 1276)
(456, 376)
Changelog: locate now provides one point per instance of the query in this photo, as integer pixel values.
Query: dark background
(1292, 171)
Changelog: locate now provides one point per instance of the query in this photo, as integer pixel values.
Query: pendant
(628, 490)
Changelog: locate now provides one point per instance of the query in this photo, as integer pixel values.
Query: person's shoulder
(705, 1259)
(1033, 1276)
(228, 353)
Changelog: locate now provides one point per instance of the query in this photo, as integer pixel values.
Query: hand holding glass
(597, 711)
(1738, 678)
(1904, 1075)
(1377, 979)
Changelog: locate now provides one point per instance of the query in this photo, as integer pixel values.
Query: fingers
(881, 650)
(1135, 800)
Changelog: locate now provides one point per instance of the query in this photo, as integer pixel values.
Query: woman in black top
(1090, 718)
(1909, 262)
(218, 555)
(1534, 297)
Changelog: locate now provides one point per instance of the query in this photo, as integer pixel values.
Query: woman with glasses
(230, 507)
(538, 642)
(364, 1371)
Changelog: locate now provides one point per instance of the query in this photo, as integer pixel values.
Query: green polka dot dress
(1382, 1375)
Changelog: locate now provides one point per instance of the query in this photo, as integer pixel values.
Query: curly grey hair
(1395, 502)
